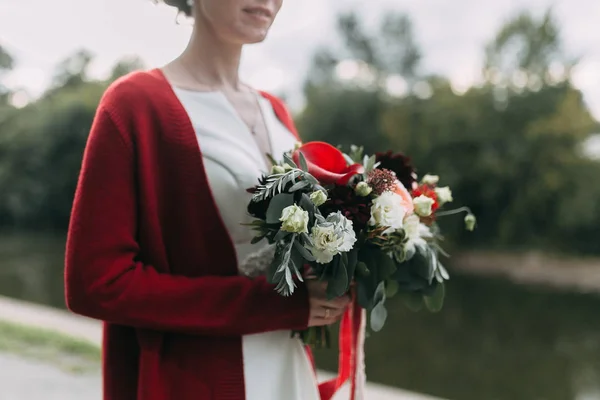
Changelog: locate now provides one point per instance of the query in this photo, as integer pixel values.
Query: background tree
(510, 148)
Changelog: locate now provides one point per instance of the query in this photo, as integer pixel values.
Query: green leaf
(364, 294)
(413, 301)
(289, 160)
(281, 235)
(378, 317)
(276, 206)
(435, 302)
(303, 163)
(271, 159)
(339, 283)
(298, 261)
(423, 263)
(352, 260)
(362, 269)
(379, 293)
(304, 251)
(370, 163)
(257, 239)
(391, 288)
(298, 186)
(443, 272)
(311, 179)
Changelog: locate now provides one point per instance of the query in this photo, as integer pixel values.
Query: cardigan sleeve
(106, 280)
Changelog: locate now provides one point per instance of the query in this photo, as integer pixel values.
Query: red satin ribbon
(348, 339)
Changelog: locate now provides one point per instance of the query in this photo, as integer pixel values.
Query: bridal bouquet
(353, 218)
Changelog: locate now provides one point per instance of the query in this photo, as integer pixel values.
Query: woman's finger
(340, 302)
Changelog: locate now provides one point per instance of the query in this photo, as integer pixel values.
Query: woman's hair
(181, 5)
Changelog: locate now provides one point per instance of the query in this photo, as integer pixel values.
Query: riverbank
(533, 268)
(27, 376)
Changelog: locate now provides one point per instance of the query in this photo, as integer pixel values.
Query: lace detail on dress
(258, 262)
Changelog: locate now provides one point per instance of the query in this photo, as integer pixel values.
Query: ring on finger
(327, 312)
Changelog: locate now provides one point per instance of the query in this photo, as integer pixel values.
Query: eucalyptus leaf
(413, 301)
(435, 302)
(298, 261)
(339, 283)
(282, 267)
(298, 186)
(379, 293)
(289, 161)
(311, 178)
(348, 159)
(443, 271)
(303, 163)
(378, 317)
(422, 264)
(352, 260)
(280, 235)
(303, 251)
(306, 238)
(276, 206)
(370, 163)
(391, 288)
(271, 159)
(362, 269)
(364, 294)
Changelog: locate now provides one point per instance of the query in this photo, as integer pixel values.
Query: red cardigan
(148, 253)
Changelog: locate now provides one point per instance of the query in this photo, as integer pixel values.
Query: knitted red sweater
(148, 253)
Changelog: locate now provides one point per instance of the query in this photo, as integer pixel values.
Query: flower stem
(452, 212)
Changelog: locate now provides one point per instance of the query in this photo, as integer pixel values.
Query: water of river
(492, 341)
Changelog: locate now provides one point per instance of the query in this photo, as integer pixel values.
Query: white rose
(318, 197)
(294, 219)
(332, 237)
(444, 194)
(430, 179)
(423, 205)
(387, 210)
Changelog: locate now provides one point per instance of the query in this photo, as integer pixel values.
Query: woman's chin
(255, 37)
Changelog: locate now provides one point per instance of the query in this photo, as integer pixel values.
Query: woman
(156, 248)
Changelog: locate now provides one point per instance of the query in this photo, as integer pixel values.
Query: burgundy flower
(400, 165)
(382, 180)
(355, 208)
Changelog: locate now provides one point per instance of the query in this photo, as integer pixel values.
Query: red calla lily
(327, 163)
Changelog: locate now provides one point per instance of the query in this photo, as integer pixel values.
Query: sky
(452, 35)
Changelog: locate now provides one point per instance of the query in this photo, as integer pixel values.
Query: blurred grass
(67, 353)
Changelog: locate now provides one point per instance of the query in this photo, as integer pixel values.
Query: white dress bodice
(276, 366)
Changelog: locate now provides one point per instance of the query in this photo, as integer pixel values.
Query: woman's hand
(323, 311)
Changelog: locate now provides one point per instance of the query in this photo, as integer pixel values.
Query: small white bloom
(423, 205)
(276, 170)
(318, 197)
(430, 179)
(294, 219)
(363, 189)
(470, 222)
(387, 210)
(444, 194)
(287, 167)
(416, 234)
(332, 237)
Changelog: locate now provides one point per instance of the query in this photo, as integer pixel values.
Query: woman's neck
(210, 61)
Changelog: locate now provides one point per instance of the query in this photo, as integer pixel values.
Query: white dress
(276, 366)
